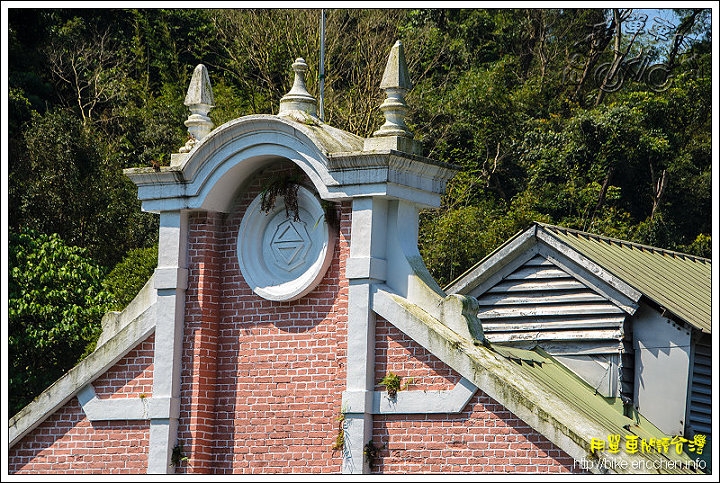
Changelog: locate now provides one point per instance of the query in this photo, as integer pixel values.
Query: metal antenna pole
(322, 65)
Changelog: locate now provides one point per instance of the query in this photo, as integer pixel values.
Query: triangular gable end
(541, 304)
(533, 293)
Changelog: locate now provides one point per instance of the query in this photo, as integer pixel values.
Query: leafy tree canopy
(56, 301)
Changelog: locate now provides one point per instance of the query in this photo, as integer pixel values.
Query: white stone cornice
(390, 163)
(334, 160)
(391, 174)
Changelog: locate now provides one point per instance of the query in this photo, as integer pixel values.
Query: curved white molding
(207, 177)
(283, 259)
(408, 276)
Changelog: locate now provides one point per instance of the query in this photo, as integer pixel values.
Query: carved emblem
(290, 245)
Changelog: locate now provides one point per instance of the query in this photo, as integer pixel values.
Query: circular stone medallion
(280, 258)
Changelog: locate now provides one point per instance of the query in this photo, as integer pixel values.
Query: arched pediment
(208, 176)
(214, 164)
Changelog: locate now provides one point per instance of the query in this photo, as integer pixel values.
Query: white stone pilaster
(170, 283)
(409, 277)
(366, 266)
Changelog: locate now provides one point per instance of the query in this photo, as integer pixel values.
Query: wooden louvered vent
(699, 417)
(540, 303)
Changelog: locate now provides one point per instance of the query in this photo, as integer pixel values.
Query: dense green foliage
(130, 275)
(535, 106)
(538, 141)
(55, 301)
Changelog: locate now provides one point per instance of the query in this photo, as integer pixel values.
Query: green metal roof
(561, 383)
(678, 282)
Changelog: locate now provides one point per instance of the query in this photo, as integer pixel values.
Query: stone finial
(396, 73)
(396, 83)
(298, 102)
(394, 134)
(199, 100)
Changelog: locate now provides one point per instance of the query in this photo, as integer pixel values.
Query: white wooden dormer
(540, 297)
(631, 321)
(539, 303)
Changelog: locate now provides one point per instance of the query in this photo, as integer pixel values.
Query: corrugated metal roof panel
(678, 282)
(563, 384)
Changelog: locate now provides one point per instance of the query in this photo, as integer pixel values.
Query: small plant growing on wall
(371, 453)
(339, 442)
(178, 455)
(393, 384)
(286, 186)
(391, 381)
(330, 214)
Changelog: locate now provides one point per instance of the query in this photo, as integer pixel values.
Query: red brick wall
(278, 374)
(484, 438)
(67, 443)
(200, 344)
(262, 385)
(278, 378)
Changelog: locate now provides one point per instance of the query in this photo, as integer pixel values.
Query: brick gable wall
(484, 438)
(262, 385)
(67, 443)
(262, 380)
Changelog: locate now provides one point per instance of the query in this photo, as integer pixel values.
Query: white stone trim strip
(171, 278)
(138, 408)
(425, 402)
(97, 409)
(413, 401)
(87, 370)
(366, 267)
